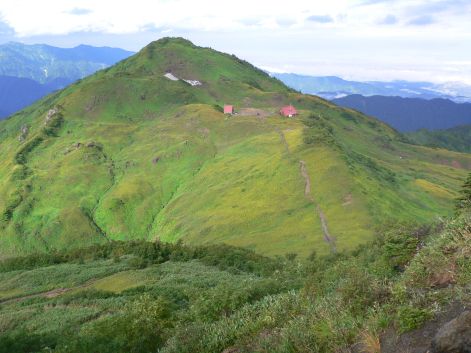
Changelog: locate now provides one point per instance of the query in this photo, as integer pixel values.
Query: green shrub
(464, 201)
(410, 318)
(138, 263)
(399, 248)
(26, 148)
(26, 342)
(142, 327)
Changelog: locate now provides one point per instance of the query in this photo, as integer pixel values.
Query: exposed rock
(23, 133)
(50, 115)
(454, 336)
(419, 340)
(93, 144)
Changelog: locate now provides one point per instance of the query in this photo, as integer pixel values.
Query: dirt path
(307, 193)
(48, 294)
(259, 113)
(283, 140)
(97, 205)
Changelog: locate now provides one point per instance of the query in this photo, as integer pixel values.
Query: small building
(288, 111)
(229, 109)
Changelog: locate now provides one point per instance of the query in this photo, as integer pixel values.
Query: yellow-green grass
(157, 160)
(119, 282)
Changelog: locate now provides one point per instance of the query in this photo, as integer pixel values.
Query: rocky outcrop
(454, 336)
(78, 145)
(50, 114)
(23, 133)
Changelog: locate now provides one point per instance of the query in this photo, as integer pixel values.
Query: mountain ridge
(30, 72)
(129, 154)
(409, 114)
(44, 63)
(331, 87)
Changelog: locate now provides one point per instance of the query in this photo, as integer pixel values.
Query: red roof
(228, 109)
(288, 110)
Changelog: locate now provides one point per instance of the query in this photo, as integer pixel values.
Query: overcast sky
(355, 39)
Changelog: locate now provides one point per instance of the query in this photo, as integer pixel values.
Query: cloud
(152, 28)
(79, 11)
(370, 33)
(433, 7)
(5, 29)
(388, 20)
(250, 21)
(320, 18)
(285, 22)
(98, 16)
(421, 21)
(372, 2)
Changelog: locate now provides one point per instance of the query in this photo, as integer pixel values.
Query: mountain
(29, 72)
(331, 87)
(455, 139)
(45, 64)
(17, 93)
(410, 114)
(142, 150)
(326, 85)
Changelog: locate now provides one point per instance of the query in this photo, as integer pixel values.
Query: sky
(416, 40)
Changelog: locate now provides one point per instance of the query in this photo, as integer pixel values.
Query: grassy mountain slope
(129, 154)
(390, 295)
(455, 139)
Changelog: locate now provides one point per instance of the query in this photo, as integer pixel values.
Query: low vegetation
(454, 139)
(153, 297)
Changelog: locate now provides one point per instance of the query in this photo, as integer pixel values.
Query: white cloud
(31, 17)
(344, 37)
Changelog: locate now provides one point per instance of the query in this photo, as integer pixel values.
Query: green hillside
(390, 295)
(455, 139)
(130, 154)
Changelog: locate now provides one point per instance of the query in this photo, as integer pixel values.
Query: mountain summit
(142, 150)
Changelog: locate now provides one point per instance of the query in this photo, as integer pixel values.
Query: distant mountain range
(331, 87)
(16, 93)
(410, 114)
(44, 63)
(406, 106)
(28, 72)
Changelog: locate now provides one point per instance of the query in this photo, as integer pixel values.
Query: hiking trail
(307, 193)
